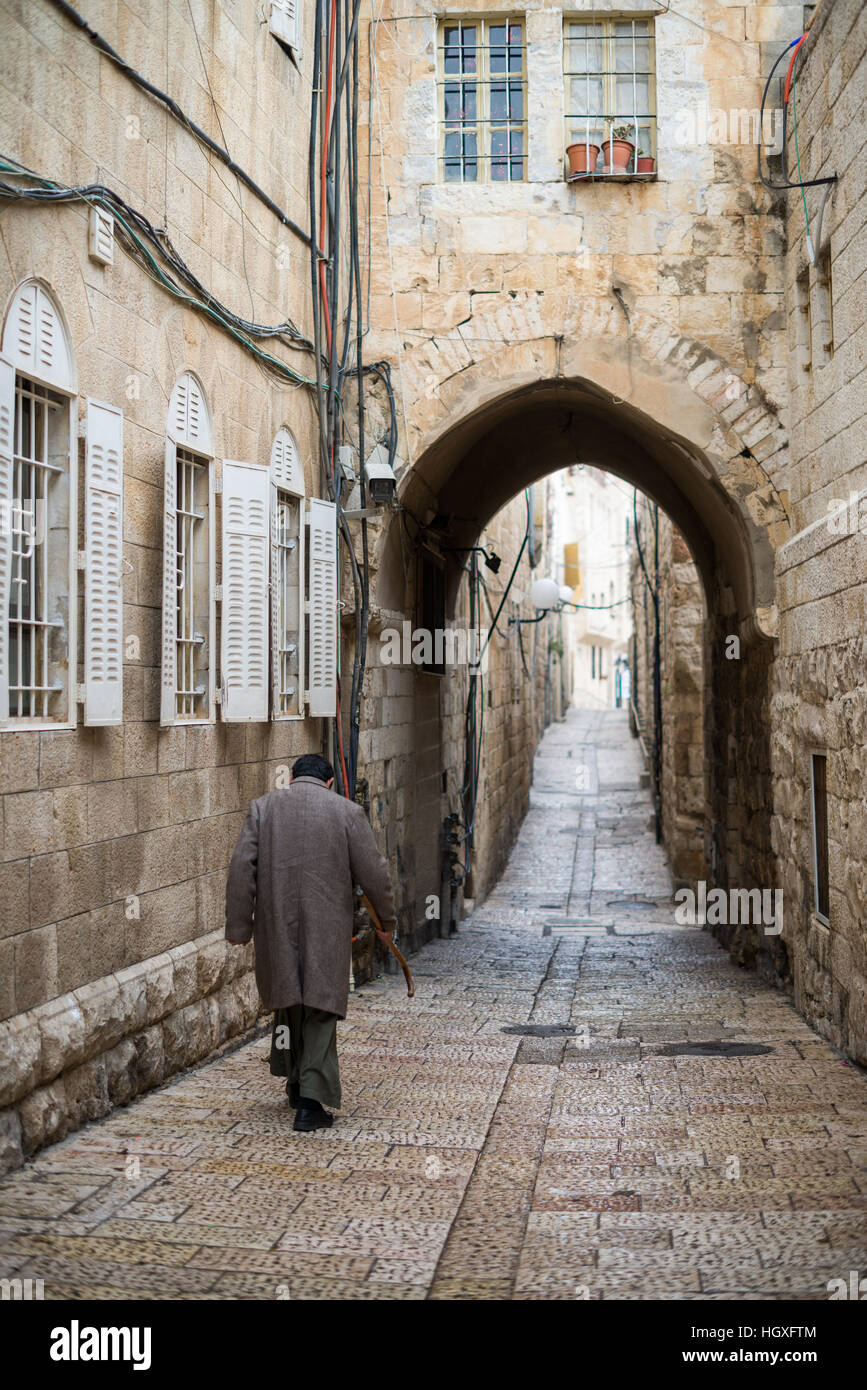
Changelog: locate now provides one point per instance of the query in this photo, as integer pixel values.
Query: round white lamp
(544, 593)
(565, 594)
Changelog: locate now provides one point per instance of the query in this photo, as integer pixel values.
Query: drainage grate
(540, 1030)
(713, 1049)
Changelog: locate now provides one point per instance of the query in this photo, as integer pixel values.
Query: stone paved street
(473, 1161)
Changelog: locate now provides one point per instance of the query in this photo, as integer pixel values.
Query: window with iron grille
(289, 580)
(41, 541)
(482, 101)
(193, 585)
(610, 89)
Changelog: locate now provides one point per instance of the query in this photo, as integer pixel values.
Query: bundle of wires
(333, 195)
(154, 251)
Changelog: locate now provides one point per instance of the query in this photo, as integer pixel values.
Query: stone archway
(489, 411)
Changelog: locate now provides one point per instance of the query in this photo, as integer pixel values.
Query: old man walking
(291, 889)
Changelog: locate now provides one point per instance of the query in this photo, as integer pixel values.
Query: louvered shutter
(7, 446)
(285, 23)
(103, 539)
(244, 641)
(168, 665)
(35, 339)
(322, 609)
(287, 476)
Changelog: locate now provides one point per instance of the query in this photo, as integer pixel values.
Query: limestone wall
(684, 783)
(819, 700)
(699, 249)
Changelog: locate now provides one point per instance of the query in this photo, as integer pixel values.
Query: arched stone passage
(709, 440)
(487, 417)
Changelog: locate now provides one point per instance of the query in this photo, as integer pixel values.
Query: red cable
(791, 68)
(323, 293)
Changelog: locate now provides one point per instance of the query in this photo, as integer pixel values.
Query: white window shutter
(275, 608)
(244, 637)
(286, 464)
(7, 446)
(103, 570)
(35, 338)
(284, 23)
(168, 671)
(322, 609)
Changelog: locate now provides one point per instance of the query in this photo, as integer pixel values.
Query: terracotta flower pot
(616, 155)
(582, 157)
(644, 164)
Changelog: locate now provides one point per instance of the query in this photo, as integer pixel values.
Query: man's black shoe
(293, 1091)
(308, 1119)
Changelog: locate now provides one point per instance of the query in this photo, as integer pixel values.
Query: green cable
(798, 153)
(163, 280)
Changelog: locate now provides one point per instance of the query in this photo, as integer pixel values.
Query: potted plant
(582, 157)
(618, 151)
(644, 163)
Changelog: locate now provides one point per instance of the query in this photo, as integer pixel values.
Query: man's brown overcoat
(290, 888)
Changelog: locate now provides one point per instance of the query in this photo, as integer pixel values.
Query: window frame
(195, 460)
(287, 485)
(63, 403)
(608, 75)
(189, 429)
(35, 334)
(483, 81)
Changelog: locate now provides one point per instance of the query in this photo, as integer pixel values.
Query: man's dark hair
(313, 765)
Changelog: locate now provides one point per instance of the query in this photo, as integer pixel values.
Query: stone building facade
(816, 707)
(645, 325)
(634, 323)
(819, 704)
(122, 797)
(671, 724)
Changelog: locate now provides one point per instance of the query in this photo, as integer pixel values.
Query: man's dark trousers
(310, 1059)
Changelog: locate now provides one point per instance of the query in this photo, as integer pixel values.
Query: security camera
(379, 477)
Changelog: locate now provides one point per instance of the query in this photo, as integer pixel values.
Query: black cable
(493, 627)
(778, 187)
(105, 47)
(160, 243)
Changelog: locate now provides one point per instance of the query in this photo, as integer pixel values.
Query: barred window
(609, 71)
(189, 626)
(193, 585)
(288, 688)
(483, 101)
(287, 578)
(38, 660)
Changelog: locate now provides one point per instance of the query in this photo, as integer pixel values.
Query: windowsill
(612, 178)
(35, 726)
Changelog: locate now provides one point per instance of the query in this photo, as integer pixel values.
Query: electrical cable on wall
(155, 253)
(195, 130)
(800, 182)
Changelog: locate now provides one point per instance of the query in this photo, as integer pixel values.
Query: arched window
(38, 515)
(188, 690)
(287, 578)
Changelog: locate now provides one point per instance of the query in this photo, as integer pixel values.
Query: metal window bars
(609, 74)
(483, 101)
(288, 510)
(192, 534)
(31, 687)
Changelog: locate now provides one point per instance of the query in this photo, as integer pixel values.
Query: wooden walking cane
(410, 985)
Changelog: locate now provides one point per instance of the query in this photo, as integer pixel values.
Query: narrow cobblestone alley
(547, 1119)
